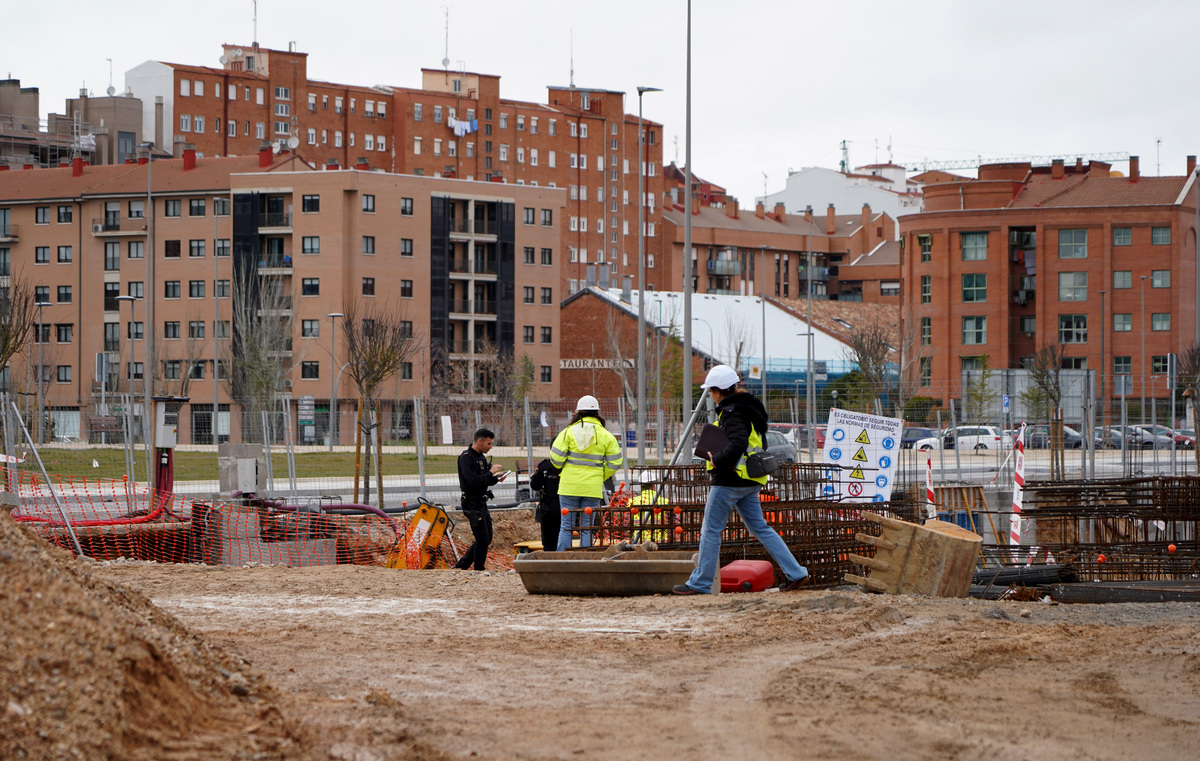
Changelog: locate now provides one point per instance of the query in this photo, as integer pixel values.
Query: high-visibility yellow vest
(584, 469)
(756, 445)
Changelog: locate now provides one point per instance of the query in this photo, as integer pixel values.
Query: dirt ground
(366, 664)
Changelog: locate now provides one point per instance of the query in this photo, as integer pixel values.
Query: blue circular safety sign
(877, 498)
(829, 490)
(889, 442)
(835, 453)
(839, 434)
(885, 462)
(881, 481)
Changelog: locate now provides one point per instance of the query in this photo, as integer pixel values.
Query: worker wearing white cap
(743, 419)
(588, 456)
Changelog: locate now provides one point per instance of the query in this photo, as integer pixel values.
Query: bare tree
(871, 349)
(622, 347)
(17, 315)
(188, 351)
(379, 340)
(1045, 371)
(911, 351)
(739, 336)
(1187, 377)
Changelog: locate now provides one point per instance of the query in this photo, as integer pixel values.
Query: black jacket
(738, 414)
(545, 480)
(474, 476)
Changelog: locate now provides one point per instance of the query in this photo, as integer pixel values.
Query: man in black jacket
(545, 480)
(743, 419)
(475, 475)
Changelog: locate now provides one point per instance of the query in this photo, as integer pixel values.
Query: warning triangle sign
(857, 473)
(860, 455)
(863, 438)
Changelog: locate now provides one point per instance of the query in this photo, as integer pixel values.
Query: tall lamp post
(712, 345)
(1103, 330)
(1142, 324)
(148, 335)
(762, 260)
(808, 394)
(641, 360)
(41, 374)
(333, 316)
(687, 229)
(132, 356)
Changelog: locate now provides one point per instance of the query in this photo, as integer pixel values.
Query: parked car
(910, 436)
(788, 430)
(1130, 437)
(776, 443)
(1189, 434)
(1037, 436)
(1181, 441)
(974, 437)
(801, 441)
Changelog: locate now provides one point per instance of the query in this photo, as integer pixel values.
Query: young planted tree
(979, 396)
(871, 349)
(1045, 371)
(911, 351)
(379, 340)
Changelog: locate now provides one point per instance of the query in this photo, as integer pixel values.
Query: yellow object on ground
(418, 547)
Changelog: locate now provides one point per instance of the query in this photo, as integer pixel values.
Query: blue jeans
(722, 500)
(568, 520)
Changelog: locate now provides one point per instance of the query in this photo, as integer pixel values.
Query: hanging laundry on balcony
(463, 127)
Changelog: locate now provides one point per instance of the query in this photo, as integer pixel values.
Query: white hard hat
(721, 376)
(587, 403)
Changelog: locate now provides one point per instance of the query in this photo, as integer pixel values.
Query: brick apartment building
(475, 265)
(802, 251)
(1027, 256)
(455, 125)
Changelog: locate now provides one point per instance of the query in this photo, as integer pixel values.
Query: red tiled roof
(1076, 190)
(793, 224)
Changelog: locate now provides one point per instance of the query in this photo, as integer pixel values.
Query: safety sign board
(865, 449)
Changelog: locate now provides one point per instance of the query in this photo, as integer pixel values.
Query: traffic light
(707, 364)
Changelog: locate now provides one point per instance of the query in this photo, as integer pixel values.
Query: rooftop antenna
(1158, 156)
(889, 149)
(675, 140)
(111, 90)
(255, 22)
(845, 157)
(764, 174)
(446, 56)
(572, 84)
(876, 150)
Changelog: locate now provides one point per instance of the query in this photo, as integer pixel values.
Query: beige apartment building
(474, 266)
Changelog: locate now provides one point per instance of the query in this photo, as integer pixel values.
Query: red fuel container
(747, 576)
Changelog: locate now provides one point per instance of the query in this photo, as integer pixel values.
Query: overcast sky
(776, 84)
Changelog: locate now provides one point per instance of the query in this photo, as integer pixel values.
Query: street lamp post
(148, 335)
(687, 230)
(1103, 330)
(712, 345)
(132, 319)
(808, 394)
(641, 361)
(41, 373)
(762, 260)
(333, 377)
(1142, 323)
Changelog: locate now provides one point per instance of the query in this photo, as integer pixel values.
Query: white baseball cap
(721, 376)
(587, 403)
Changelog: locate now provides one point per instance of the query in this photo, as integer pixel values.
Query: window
(974, 287)
(185, 122)
(64, 255)
(417, 112)
(974, 247)
(64, 373)
(312, 136)
(310, 204)
(406, 371)
(134, 370)
(1160, 236)
(199, 124)
(41, 255)
(221, 329)
(1122, 279)
(310, 286)
(1160, 321)
(41, 215)
(41, 294)
(111, 292)
(1122, 322)
(925, 242)
(368, 286)
(310, 370)
(1160, 279)
(926, 331)
(547, 335)
(926, 289)
(368, 203)
(283, 93)
(1122, 365)
(529, 216)
(416, 146)
(233, 127)
(381, 143)
(221, 207)
(529, 254)
(171, 289)
(546, 372)
(135, 289)
(310, 244)
(137, 209)
(112, 256)
(1072, 328)
(196, 370)
(63, 333)
(337, 139)
(64, 214)
(282, 128)
(369, 143)
(503, 152)
(437, 114)
(1072, 286)
(222, 289)
(1028, 324)
(171, 368)
(196, 249)
(185, 87)
(406, 207)
(547, 257)
(310, 328)
(171, 329)
(172, 207)
(406, 247)
(260, 130)
(196, 207)
(406, 290)
(196, 289)
(1072, 244)
(171, 249)
(548, 296)
(368, 244)
(1122, 236)
(926, 370)
(974, 330)
(533, 156)
(527, 294)
(196, 329)
(1159, 364)
(42, 333)
(527, 334)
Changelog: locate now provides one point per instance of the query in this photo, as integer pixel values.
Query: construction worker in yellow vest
(588, 456)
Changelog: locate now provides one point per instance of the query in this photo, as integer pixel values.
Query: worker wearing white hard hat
(588, 456)
(743, 420)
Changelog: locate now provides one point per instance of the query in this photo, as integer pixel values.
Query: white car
(974, 437)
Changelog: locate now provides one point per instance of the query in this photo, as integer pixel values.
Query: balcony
(460, 306)
(473, 227)
(472, 306)
(114, 224)
(273, 303)
(8, 234)
(275, 264)
(275, 221)
(466, 346)
(814, 274)
(486, 265)
(460, 265)
(112, 344)
(724, 267)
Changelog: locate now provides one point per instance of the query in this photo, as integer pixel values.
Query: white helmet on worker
(587, 403)
(721, 377)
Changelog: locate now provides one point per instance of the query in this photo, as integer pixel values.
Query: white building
(883, 186)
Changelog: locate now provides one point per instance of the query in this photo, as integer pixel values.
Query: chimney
(695, 203)
(780, 210)
(627, 289)
(128, 160)
(264, 155)
(830, 220)
(1134, 169)
(362, 164)
(158, 120)
(143, 160)
(1191, 164)
(808, 216)
(759, 210)
(77, 166)
(332, 165)
(731, 208)
(1078, 165)
(1057, 170)
(866, 221)
(189, 156)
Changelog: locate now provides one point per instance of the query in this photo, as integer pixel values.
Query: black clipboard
(712, 439)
